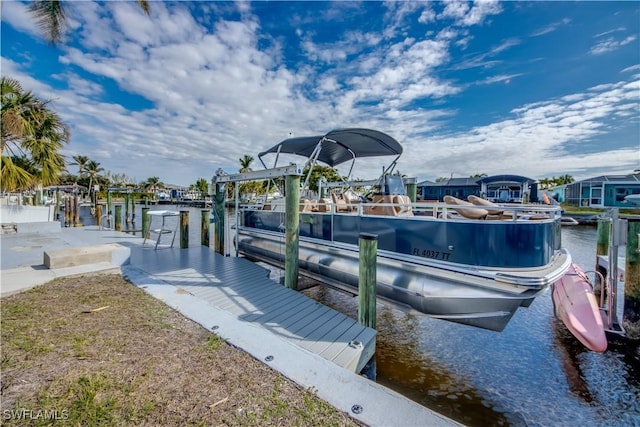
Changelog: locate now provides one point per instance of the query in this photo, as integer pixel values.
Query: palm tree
(51, 19)
(544, 183)
(567, 179)
(245, 163)
(152, 184)
(92, 170)
(81, 161)
(32, 131)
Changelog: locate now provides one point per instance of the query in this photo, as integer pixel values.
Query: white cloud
(536, 141)
(551, 27)
(610, 45)
(465, 15)
(17, 15)
(213, 90)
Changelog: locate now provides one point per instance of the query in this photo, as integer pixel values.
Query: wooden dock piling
(204, 227)
(412, 189)
(184, 229)
(368, 246)
(118, 218)
(219, 197)
(126, 208)
(145, 223)
(602, 248)
(367, 278)
(109, 211)
(99, 216)
(292, 228)
(57, 208)
(67, 211)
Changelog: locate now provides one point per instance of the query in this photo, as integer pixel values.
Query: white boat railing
(422, 210)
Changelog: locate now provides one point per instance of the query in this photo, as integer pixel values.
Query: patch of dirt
(96, 350)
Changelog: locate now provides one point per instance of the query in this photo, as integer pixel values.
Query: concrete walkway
(22, 259)
(22, 255)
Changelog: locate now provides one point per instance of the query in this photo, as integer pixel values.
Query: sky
(538, 89)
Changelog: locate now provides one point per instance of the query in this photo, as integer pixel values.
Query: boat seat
(341, 204)
(491, 207)
(323, 205)
(381, 205)
(403, 207)
(307, 205)
(469, 213)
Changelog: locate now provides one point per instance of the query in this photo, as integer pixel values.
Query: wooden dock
(243, 290)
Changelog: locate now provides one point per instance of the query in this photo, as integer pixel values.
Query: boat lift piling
(118, 218)
(292, 230)
(126, 208)
(412, 188)
(602, 248)
(204, 227)
(145, 223)
(631, 313)
(620, 232)
(218, 210)
(367, 279)
(184, 229)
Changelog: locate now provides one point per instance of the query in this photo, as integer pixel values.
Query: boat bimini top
(339, 146)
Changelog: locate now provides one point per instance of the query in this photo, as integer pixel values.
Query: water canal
(534, 373)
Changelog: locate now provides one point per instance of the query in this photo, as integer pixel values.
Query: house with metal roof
(498, 188)
(456, 187)
(603, 191)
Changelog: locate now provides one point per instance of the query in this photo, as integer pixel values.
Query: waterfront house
(604, 191)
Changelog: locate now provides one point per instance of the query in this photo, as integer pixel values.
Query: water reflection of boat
(432, 258)
(568, 220)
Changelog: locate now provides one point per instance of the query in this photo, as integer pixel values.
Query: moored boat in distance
(634, 199)
(471, 263)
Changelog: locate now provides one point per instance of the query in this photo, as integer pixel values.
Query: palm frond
(50, 17)
(12, 176)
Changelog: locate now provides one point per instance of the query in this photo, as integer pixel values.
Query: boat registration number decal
(427, 253)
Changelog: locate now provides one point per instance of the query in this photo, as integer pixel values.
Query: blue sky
(538, 89)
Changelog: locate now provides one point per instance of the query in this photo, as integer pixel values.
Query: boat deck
(243, 290)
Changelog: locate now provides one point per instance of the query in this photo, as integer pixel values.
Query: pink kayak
(576, 305)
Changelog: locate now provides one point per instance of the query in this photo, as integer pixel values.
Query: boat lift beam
(264, 174)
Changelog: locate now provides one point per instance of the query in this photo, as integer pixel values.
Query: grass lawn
(96, 350)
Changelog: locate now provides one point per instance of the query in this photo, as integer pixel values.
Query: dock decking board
(245, 290)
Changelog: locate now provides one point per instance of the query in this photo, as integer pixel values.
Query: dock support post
(76, 211)
(126, 208)
(145, 223)
(292, 228)
(412, 189)
(109, 206)
(184, 229)
(67, 211)
(602, 248)
(367, 278)
(368, 245)
(133, 209)
(118, 219)
(57, 212)
(99, 216)
(631, 312)
(219, 212)
(204, 227)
